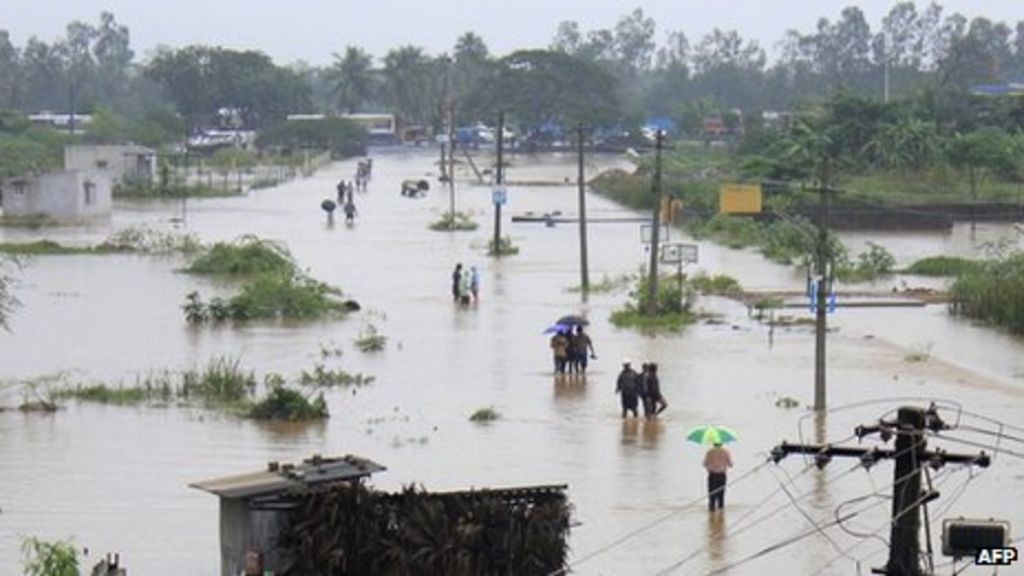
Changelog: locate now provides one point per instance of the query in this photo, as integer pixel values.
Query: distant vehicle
(209, 140)
(417, 135)
(480, 134)
(381, 128)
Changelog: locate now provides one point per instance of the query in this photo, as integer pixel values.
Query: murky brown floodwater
(115, 478)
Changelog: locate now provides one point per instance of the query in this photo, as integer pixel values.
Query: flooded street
(115, 478)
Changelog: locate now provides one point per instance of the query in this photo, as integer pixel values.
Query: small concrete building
(122, 163)
(254, 508)
(71, 195)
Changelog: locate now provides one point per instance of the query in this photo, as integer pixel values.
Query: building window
(19, 188)
(90, 193)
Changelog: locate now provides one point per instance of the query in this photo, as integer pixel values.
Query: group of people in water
(465, 285)
(570, 348)
(640, 388)
(346, 190)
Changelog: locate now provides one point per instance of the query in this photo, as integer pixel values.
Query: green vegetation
(104, 394)
(133, 240)
(505, 247)
(268, 297)
(45, 558)
(870, 265)
(249, 255)
(25, 147)
(145, 240)
(483, 415)
(222, 384)
(370, 340)
(323, 377)
(286, 404)
(272, 288)
(222, 381)
(671, 311)
(942, 266)
(460, 222)
(993, 292)
(339, 136)
(719, 284)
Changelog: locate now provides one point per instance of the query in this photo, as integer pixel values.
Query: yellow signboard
(739, 198)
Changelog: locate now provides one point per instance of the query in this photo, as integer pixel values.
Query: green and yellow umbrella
(708, 434)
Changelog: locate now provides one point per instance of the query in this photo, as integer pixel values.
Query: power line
(785, 505)
(629, 535)
(904, 511)
(994, 449)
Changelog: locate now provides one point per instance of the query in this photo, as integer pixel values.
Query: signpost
(679, 254)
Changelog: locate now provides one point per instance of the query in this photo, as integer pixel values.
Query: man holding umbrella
(717, 460)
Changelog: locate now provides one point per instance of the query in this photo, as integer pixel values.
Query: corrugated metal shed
(277, 479)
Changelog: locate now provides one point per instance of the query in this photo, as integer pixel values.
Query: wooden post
(497, 182)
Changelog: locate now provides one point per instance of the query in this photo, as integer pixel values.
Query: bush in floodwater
(992, 293)
(246, 256)
(221, 381)
(943, 266)
(671, 310)
(286, 404)
(280, 296)
(371, 340)
(505, 247)
(488, 414)
(459, 221)
(871, 264)
(43, 558)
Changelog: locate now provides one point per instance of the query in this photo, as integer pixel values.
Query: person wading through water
(717, 461)
(628, 387)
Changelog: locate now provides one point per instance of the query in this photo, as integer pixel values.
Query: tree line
(610, 76)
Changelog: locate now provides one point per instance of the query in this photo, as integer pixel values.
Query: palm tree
(353, 79)
(410, 82)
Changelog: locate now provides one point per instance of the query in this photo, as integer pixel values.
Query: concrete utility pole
(823, 269)
(911, 457)
(581, 184)
(497, 183)
(652, 280)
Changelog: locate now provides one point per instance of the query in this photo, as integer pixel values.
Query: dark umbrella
(572, 320)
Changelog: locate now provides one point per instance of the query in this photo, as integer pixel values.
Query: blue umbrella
(557, 328)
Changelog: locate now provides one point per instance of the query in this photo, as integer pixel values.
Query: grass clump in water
(488, 414)
(222, 381)
(942, 266)
(719, 284)
(607, 284)
(992, 293)
(130, 240)
(323, 377)
(246, 256)
(458, 221)
(287, 404)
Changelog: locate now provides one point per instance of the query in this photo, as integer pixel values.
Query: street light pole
(652, 280)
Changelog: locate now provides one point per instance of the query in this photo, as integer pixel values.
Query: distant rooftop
(279, 478)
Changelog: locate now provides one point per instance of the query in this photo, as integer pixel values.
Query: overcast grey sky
(311, 30)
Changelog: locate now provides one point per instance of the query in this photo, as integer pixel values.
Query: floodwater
(115, 478)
